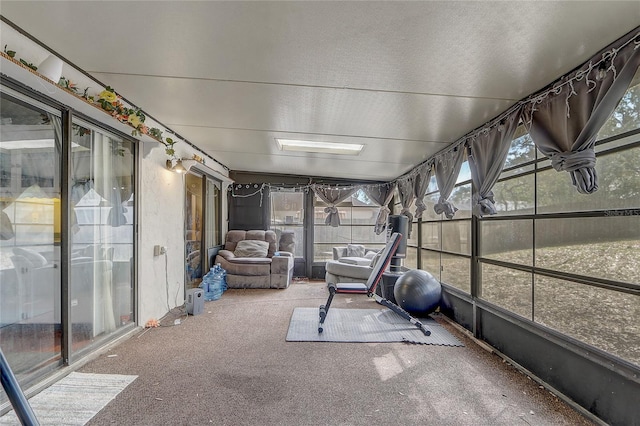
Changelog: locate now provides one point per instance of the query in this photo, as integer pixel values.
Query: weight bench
(369, 287)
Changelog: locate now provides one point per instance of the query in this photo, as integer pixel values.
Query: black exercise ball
(417, 292)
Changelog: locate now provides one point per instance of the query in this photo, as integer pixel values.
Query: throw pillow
(251, 248)
(370, 254)
(355, 250)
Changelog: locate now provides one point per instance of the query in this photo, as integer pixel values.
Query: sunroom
(134, 136)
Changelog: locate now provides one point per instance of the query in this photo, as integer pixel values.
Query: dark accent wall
(250, 210)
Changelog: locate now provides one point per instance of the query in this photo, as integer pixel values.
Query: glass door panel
(30, 295)
(193, 230)
(102, 213)
(212, 219)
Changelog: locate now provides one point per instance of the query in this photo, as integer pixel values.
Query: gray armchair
(252, 260)
(351, 263)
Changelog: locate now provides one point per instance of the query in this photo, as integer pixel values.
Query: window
(566, 260)
(357, 220)
(603, 247)
(287, 215)
(507, 241)
(577, 311)
(446, 243)
(508, 288)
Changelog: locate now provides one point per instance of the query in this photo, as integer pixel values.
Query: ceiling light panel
(319, 147)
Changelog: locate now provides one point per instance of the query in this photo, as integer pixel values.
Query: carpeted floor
(231, 365)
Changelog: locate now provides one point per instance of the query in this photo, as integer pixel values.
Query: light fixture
(178, 167)
(319, 147)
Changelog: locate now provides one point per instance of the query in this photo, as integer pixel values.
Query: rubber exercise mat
(364, 325)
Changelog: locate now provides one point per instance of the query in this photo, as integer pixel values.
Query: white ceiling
(403, 78)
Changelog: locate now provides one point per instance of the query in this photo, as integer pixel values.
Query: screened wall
(560, 259)
(357, 220)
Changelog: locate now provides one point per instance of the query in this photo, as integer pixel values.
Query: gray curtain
(381, 195)
(332, 196)
(447, 170)
(405, 192)
(488, 152)
(565, 121)
(420, 185)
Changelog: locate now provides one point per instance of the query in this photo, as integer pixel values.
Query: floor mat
(364, 325)
(74, 400)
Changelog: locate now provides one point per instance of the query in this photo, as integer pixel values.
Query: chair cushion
(251, 248)
(348, 271)
(251, 260)
(351, 288)
(363, 261)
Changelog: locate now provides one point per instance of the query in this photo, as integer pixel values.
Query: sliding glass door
(30, 321)
(193, 230)
(102, 213)
(99, 236)
(201, 224)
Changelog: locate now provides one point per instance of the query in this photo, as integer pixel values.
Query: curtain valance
(420, 185)
(406, 194)
(333, 196)
(487, 154)
(447, 167)
(565, 120)
(381, 195)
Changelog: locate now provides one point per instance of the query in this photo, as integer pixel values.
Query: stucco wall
(161, 222)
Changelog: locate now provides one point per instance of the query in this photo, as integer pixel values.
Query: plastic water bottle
(217, 282)
(206, 286)
(223, 276)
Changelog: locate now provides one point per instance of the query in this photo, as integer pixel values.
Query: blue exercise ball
(418, 292)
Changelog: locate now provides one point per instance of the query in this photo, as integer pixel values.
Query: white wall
(161, 222)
